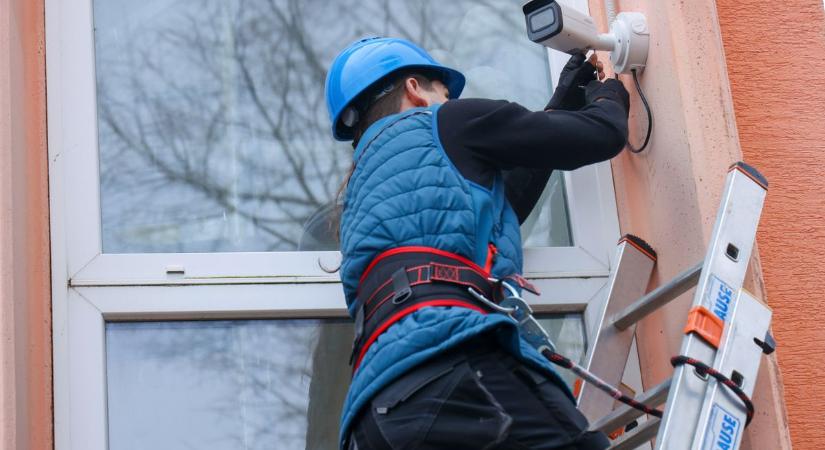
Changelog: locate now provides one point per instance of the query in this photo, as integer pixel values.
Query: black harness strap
(404, 280)
(398, 288)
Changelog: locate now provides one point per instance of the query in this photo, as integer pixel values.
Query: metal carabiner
(529, 328)
(517, 309)
(480, 297)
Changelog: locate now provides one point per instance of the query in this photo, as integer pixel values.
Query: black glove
(611, 89)
(569, 95)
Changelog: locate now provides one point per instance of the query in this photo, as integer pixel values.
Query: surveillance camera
(562, 28)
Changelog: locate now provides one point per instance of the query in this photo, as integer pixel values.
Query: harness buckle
(401, 286)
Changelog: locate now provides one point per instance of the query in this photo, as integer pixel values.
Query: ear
(414, 93)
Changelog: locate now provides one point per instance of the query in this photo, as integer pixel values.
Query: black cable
(649, 116)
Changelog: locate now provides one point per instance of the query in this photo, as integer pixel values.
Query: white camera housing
(563, 28)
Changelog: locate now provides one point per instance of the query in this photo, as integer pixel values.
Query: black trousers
(476, 396)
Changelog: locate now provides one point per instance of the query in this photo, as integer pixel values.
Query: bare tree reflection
(268, 384)
(214, 137)
(213, 128)
(253, 381)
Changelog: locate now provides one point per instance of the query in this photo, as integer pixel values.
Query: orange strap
(491, 257)
(615, 435)
(706, 325)
(577, 387)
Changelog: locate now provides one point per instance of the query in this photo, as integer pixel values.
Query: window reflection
(262, 384)
(213, 131)
(220, 385)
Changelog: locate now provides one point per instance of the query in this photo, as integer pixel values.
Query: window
(192, 179)
(256, 384)
(212, 125)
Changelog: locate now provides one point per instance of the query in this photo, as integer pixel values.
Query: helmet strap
(350, 117)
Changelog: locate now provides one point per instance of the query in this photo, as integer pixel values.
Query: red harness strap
(405, 312)
(418, 249)
(403, 280)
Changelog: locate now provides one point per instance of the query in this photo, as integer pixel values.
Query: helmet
(366, 62)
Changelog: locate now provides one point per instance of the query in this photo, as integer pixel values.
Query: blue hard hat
(369, 60)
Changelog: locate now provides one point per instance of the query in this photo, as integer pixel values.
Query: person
(431, 210)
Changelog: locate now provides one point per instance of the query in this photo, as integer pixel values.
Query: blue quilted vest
(405, 191)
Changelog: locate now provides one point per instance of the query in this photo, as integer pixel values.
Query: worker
(432, 209)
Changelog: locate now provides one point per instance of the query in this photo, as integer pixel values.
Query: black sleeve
(508, 135)
(483, 136)
(523, 188)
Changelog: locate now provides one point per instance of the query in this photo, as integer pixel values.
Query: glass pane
(213, 130)
(567, 332)
(548, 225)
(226, 385)
(259, 384)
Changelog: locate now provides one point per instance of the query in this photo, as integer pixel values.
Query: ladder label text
(719, 297)
(723, 430)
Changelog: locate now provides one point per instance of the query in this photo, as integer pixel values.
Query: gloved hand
(610, 89)
(569, 95)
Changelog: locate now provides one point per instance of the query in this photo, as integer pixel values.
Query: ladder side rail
(637, 436)
(722, 418)
(724, 269)
(607, 353)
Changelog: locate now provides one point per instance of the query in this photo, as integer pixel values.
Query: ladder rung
(658, 297)
(637, 436)
(624, 414)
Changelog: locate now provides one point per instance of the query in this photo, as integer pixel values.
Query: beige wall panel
(669, 194)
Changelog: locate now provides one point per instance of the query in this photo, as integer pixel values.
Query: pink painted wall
(669, 194)
(25, 305)
(775, 69)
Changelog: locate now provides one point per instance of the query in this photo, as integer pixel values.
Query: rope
(703, 370)
(589, 377)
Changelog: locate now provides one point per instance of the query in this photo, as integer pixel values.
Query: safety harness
(403, 280)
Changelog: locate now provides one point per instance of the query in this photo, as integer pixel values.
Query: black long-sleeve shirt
(481, 136)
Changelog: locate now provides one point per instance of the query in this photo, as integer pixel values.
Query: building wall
(25, 324)
(775, 70)
(669, 194)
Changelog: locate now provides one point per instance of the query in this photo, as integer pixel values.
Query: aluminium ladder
(728, 330)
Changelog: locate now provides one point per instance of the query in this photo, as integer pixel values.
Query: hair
(372, 111)
(387, 104)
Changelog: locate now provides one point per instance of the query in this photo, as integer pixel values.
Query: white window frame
(91, 288)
